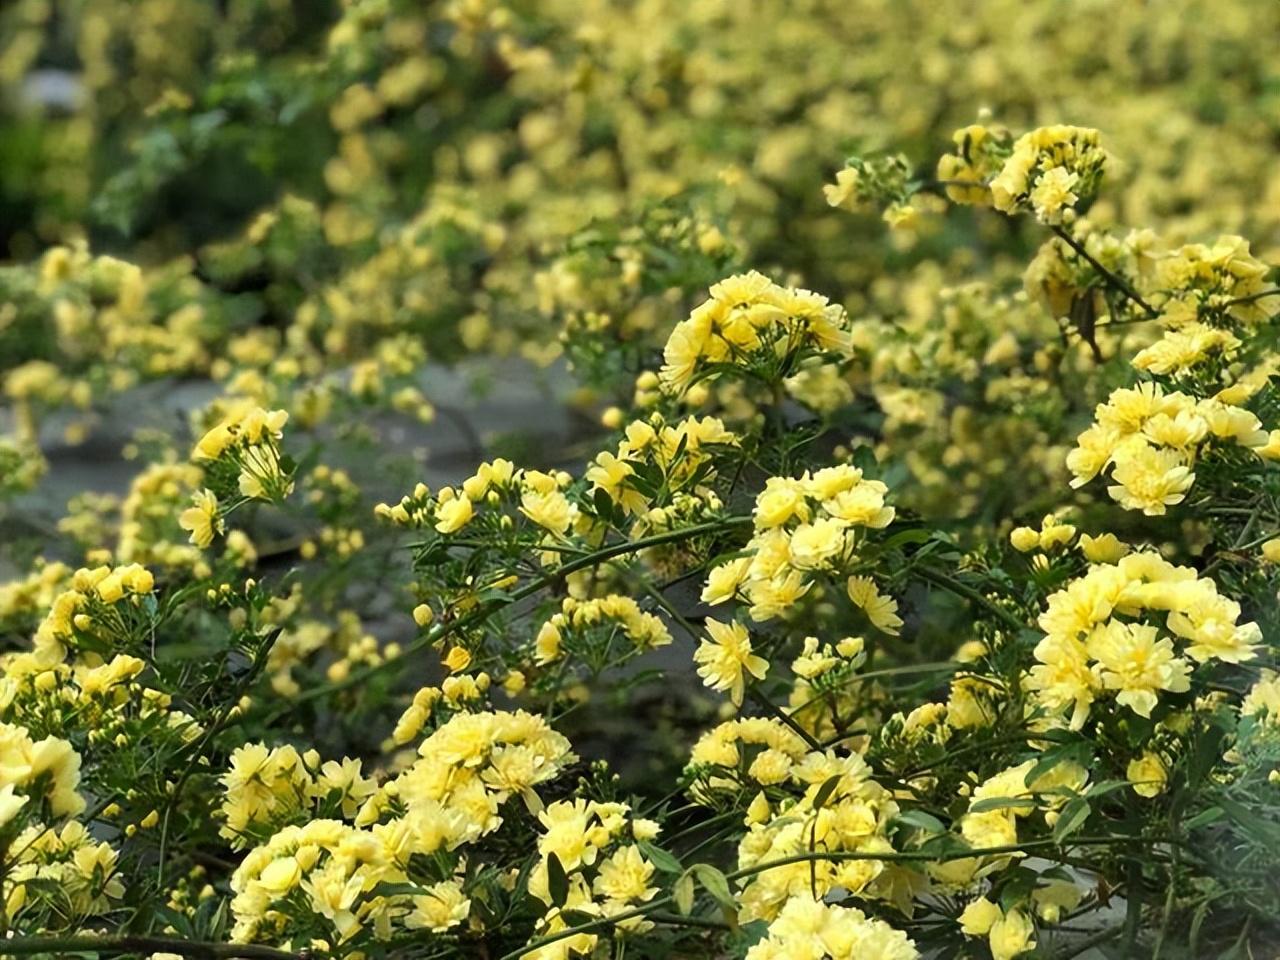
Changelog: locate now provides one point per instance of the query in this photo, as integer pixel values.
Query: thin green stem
(485, 610)
(1119, 283)
(952, 585)
(259, 661)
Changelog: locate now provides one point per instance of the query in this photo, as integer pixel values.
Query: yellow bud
(1024, 539)
(1271, 550)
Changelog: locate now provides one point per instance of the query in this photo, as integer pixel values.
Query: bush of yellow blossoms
(907, 586)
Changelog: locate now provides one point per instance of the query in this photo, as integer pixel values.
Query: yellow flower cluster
(103, 602)
(807, 527)
(999, 802)
(147, 533)
(1150, 440)
(85, 872)
(595, 845)
(1009, 933)
(1050, 171)
(39, 783)
(657, 461)
(265, 789)
(981, 152)
(853, 816)
(449, 797)
(1263, 699)
(304, 641)
(468, 768)
(1182, 349)
(329, 871)
(46, 772)
(25, 600)
(1056, 535)
(1097, 643)
(744, 753)
(810, 929)
(532, 494)
(247, 442)
(752, 323)
(1221, 281)
(613, 613)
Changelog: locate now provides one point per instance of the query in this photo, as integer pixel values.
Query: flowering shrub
(907, 588)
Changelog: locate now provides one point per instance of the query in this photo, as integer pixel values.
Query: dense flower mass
(539, 481)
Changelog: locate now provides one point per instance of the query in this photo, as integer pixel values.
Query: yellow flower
(1137, 664)
(202, 519)
(10, 803)
(844, 192)
(723, 581)
(1011, 935)
(881, 610)
(813, 545)
(1105, 548)
(979, 917)
(458, 658)
(441, 907)
(453, 515)
(1052, 193)
(1147, 774)
(724, 658)
(1024, 539)
(624, 877)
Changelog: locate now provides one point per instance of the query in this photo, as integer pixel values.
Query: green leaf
(557, 881)
(682, 894)
(1054, 756)
(1204, 818)
(1071, 818)
(1265, 832)
(921, 820)
(716, 884)
(1002, 803)
(825, 791)
(1103, 787)
(914, 535)
(661, 859)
